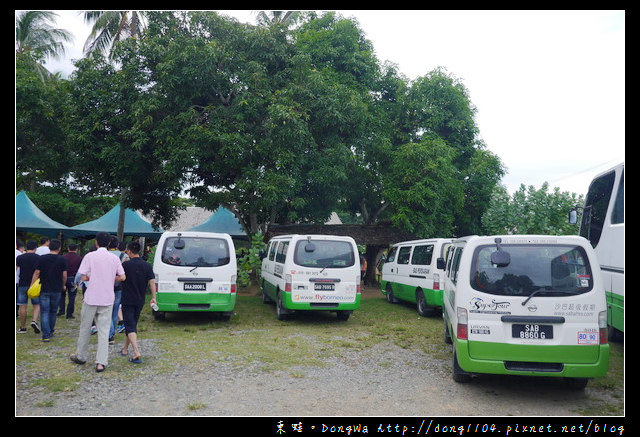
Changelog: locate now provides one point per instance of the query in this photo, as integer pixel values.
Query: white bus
(603, 225)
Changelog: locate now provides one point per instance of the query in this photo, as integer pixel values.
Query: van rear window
(548, 270)
(195, 252)
(324, 254)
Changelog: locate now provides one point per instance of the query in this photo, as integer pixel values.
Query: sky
(548, 86)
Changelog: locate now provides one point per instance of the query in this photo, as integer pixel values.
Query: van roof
(316, 236)
(426, 240)
(522, 238)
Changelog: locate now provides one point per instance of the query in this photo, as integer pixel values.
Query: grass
(256, 341)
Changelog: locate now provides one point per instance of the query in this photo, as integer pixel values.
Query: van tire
(158, 315)
(457, 373)
(265, 296)
(424, 309)
(281, 312)
(447, 334)
(576, 383)
(343, 315)
(390, 297)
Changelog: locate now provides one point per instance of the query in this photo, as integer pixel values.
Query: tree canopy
(280, 124)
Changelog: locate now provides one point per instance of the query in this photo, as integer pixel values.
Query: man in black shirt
(26, 263)
(52, 271)
(139, 275)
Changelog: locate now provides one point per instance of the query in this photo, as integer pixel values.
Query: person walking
(114, 247)
(51, 269)
(101, 268)
(69, 292)
(139, 275)
(26, 264)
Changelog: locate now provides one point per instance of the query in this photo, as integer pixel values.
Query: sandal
(135, 360)
(76, 360)
(123, 353)
(98, 369)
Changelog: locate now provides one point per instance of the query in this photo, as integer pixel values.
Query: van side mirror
(573, 216)
(440, 263)
(262, 254)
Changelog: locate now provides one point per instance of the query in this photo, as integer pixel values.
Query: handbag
(34, 289)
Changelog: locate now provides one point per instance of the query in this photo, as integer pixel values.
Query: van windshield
(550, 270)
(324, 254)
(197, 252)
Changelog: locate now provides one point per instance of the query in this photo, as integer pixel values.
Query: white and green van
(526, 305)
(195, 271)
(311, 273)
(413, 271)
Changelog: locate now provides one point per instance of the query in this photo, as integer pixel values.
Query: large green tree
(531, 211)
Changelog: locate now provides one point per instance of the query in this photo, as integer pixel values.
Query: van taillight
(602, 324)
(358, 289)
(287, 283)
(462, 333)
(233, 284)
(436, 281)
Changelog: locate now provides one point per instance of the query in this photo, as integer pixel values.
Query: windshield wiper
(543, 290)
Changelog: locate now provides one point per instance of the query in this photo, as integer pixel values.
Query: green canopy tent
(222, 221)
(134, 225)
(29, 218)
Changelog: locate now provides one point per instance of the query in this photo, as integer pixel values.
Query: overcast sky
(549, 86)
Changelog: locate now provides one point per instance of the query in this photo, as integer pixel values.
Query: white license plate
(323, 286)
(532, 331)
(195, 286)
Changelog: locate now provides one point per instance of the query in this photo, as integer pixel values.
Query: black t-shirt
(51, 267)
(138, 273)
(27, 263)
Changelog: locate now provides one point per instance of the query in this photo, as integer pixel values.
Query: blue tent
(134, 225)
(222, 221)
(29, 218)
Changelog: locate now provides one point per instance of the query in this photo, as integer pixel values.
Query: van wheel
(343, 315)
(281, 312)
(390, 297)
(576, 383)
(158, 315)
(447, 334)
(458, 374)
(424, 309)
(265, 296)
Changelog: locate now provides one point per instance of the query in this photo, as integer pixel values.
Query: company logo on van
(478, 305)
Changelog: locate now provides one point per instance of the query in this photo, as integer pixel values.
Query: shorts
(130, 317)
(23, 299)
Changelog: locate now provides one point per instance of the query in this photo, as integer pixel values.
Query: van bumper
(291, 303)
(205, 302)
(535, 360)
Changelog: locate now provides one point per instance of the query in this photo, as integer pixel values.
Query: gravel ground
(384, 380)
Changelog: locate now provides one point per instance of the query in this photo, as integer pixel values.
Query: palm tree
(285, 18)
(109, 27)
(38, 40)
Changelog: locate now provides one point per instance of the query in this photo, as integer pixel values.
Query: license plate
(532, 331)
(321, 286)
(195, 286)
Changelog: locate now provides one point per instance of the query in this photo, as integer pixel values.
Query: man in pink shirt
(101, 268)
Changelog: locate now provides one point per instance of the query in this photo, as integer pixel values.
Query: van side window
(403, 255)
(454, 264)
(272, 250)
(281, 254)
(422, 255)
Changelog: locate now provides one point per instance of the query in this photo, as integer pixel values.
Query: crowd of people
(113, 279)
